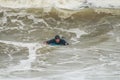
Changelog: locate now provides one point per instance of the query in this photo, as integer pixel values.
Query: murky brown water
(93, 53)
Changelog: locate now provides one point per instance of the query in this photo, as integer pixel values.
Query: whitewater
(92, 28)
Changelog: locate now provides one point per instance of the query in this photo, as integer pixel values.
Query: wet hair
(57, 37)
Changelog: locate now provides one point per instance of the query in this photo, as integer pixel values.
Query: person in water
(57, 41)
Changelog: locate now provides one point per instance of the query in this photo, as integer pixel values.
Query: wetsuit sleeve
(50, 41)
(64, 42)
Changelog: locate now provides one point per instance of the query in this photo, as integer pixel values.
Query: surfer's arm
(64, 42)
(50, 41)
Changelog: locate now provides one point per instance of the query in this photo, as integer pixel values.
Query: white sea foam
(117, 39)
(77, 31)
(32, 47)
(105, 3)
(67, 4)
(41, 3)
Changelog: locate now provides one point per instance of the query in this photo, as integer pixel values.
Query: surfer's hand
(66, 43)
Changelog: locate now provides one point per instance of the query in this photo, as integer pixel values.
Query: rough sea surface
(92, 31)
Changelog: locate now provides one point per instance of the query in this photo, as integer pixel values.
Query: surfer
(57, 41)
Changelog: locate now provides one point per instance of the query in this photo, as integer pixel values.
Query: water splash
(32, 47)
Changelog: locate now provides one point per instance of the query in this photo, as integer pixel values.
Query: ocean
(92, 28)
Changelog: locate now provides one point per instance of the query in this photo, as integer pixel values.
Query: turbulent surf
(91, 28)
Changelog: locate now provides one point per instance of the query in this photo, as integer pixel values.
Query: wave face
(32, 24)
(93, 34)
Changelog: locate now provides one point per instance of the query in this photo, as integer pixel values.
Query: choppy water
(93, 53)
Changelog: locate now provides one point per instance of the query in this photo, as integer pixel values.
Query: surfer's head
(57, 38)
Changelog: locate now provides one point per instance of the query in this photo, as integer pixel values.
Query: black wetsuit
(53, 42)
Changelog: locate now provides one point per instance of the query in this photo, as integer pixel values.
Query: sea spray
(32, 47)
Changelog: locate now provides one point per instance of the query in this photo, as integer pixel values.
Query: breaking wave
(91, 28)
